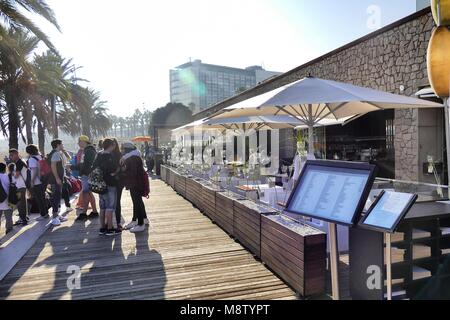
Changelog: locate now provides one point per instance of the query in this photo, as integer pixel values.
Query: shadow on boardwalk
(122, 267)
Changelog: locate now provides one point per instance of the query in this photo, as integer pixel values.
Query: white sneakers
(131, 225)
(57, 221)
(134, 224)
(137, 229)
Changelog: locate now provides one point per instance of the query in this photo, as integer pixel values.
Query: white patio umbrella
(313, 100)
(269, 122)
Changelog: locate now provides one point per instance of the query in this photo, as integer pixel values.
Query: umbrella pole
(447, 139)
(311, 140)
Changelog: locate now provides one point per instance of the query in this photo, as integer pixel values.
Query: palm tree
(16, 78)
(85, 114)
(54, 77)
(147, 121)
(11, 13)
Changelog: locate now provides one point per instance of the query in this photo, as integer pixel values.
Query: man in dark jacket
(84, 167)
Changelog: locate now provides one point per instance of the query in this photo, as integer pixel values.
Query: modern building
(392, 59)
(199, 85)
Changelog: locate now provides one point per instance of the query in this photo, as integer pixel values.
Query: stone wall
(392, 59)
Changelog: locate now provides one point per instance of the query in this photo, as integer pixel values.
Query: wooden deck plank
(183, 255)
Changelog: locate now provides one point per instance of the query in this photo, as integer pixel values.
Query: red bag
(75, 184)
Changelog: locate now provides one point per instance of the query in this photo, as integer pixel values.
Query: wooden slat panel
(295, 258)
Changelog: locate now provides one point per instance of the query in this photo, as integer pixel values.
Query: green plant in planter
(301, 144)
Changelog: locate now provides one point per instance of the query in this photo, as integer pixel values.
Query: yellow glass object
(444, 12)
(438, 61)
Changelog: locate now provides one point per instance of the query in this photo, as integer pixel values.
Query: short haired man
(57, 161)
(20, 175)
(84, 167)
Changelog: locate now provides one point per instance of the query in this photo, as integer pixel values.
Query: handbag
(13, 198)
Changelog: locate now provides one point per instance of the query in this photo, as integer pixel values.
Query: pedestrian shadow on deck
(120, 267)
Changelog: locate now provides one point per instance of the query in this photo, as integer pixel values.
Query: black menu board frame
(400, 215)
(370, 169)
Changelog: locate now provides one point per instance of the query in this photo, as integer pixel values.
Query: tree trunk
(13, 119)
(54, 117)
(41, 137)
(28, 119)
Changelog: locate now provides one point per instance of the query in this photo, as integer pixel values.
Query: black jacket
(85, 168)
(105, 161)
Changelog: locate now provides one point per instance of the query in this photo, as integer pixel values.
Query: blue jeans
(85, 184)
(108, 201)
(56, 198)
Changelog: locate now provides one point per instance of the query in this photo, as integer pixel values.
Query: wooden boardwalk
(181, 256)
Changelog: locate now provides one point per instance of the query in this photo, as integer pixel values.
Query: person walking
(5, 209)
(20, 176)
(56, 180)
(84, 167)
(37, 186)
(134, 170)
(105, 162)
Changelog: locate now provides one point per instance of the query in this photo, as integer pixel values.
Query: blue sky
(127, 51)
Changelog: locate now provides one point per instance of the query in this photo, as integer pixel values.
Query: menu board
(388, 210)
(331, 193)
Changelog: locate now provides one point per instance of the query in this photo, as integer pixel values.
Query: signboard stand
(387, 237)
(335, 192)
(334, 260)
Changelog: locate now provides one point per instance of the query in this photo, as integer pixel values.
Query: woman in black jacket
(134, 171)
(117, 155)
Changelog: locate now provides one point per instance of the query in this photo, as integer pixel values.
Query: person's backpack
(3, 194)
(146, 185)
(96, 181)
(44, 166)
(13, 198)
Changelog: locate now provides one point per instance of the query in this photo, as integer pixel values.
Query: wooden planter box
(224, 214)
(172, 176)
(193, 191)
(296, 253)
(208, 202)
(247, 224)
(164, 173)
(180, 184)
